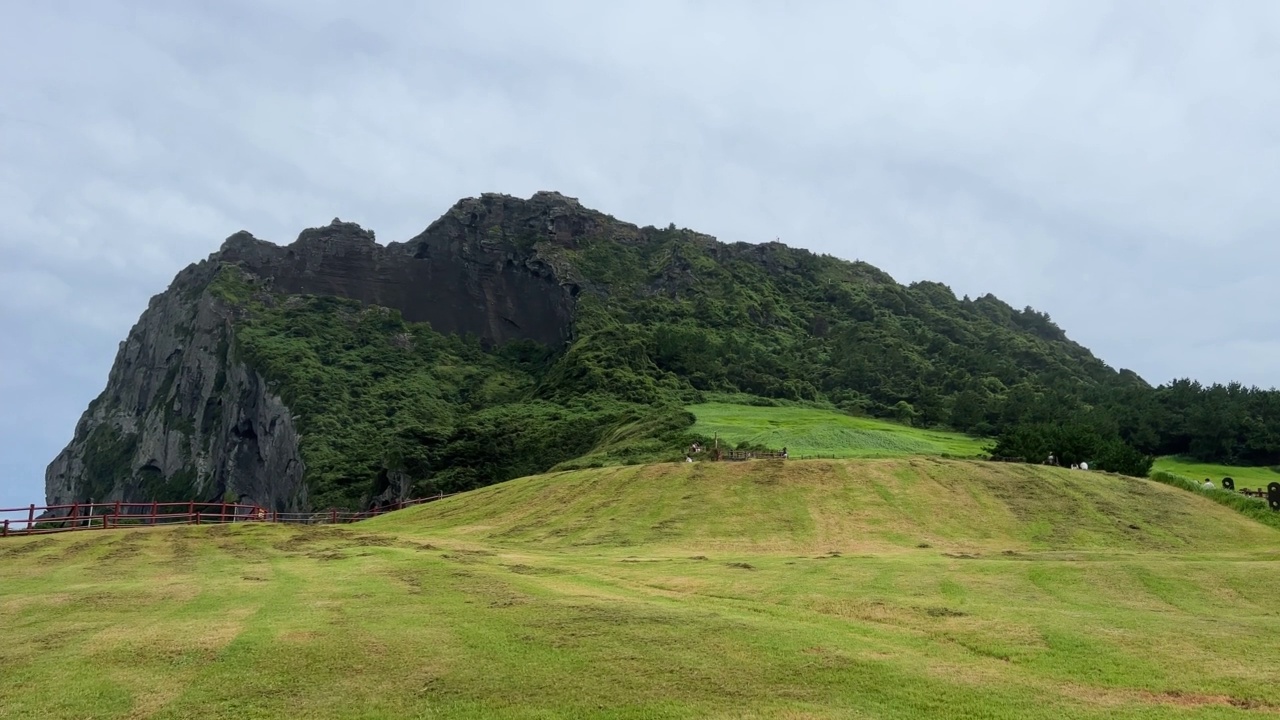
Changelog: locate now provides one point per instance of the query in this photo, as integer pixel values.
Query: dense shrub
(1072, 444)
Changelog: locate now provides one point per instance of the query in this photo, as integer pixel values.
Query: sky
(1111, 164)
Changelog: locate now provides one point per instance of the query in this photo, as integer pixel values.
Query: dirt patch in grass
(234, 545)
(371, 540)
(180, 549)
(59, 638)
(409, 579)
(467, 556)
(81, 547)
(1110, 697)
(522, 569)
(326, 555)
(411, 545)
(128, 545)
(304, 537)
(1189, 699)
(872, 611)
(296, 637)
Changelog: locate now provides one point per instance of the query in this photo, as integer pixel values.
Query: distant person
(1052, 460)
(688, 459)
(1208, 484)
(784, 453)
(1084, 466)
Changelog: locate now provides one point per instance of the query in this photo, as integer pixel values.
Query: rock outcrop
(181, 418)
(475, 270)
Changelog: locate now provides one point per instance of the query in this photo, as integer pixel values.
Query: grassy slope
(1245, 477)
(732, 590)
(807, 431)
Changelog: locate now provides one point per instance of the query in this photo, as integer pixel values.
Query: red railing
(43, 519)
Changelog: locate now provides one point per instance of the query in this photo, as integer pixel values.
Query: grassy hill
(893, 588)
(849, 506)
(809, 431)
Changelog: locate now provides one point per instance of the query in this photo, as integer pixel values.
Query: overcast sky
(1114, 165)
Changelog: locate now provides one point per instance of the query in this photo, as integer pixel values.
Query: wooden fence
(44, 519)
(749, 455)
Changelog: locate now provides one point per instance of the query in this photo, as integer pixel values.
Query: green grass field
(1245, 477)
(813, 432)
(894, 588)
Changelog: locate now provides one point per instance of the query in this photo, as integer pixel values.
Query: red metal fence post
(31, 516)
(223, 516)
(75, 513)
(154, 507)
(191, 511)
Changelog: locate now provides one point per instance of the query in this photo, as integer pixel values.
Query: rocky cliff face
(181, 418)
(475, 270)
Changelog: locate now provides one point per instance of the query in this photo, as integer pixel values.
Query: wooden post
(333, 516)
(223, 516)
(4, 530)
(75, 514)
(31, 516)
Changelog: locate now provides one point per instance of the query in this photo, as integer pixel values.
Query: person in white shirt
(1208, 484)
(1084, 466)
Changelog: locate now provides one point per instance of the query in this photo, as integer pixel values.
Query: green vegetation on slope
(811, 431)
(1245, 477)
(725, 591)
(375, 396)
(1190, 476)
(780, 322)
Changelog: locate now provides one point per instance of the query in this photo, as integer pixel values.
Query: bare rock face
(476, 270)
(181, 418)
